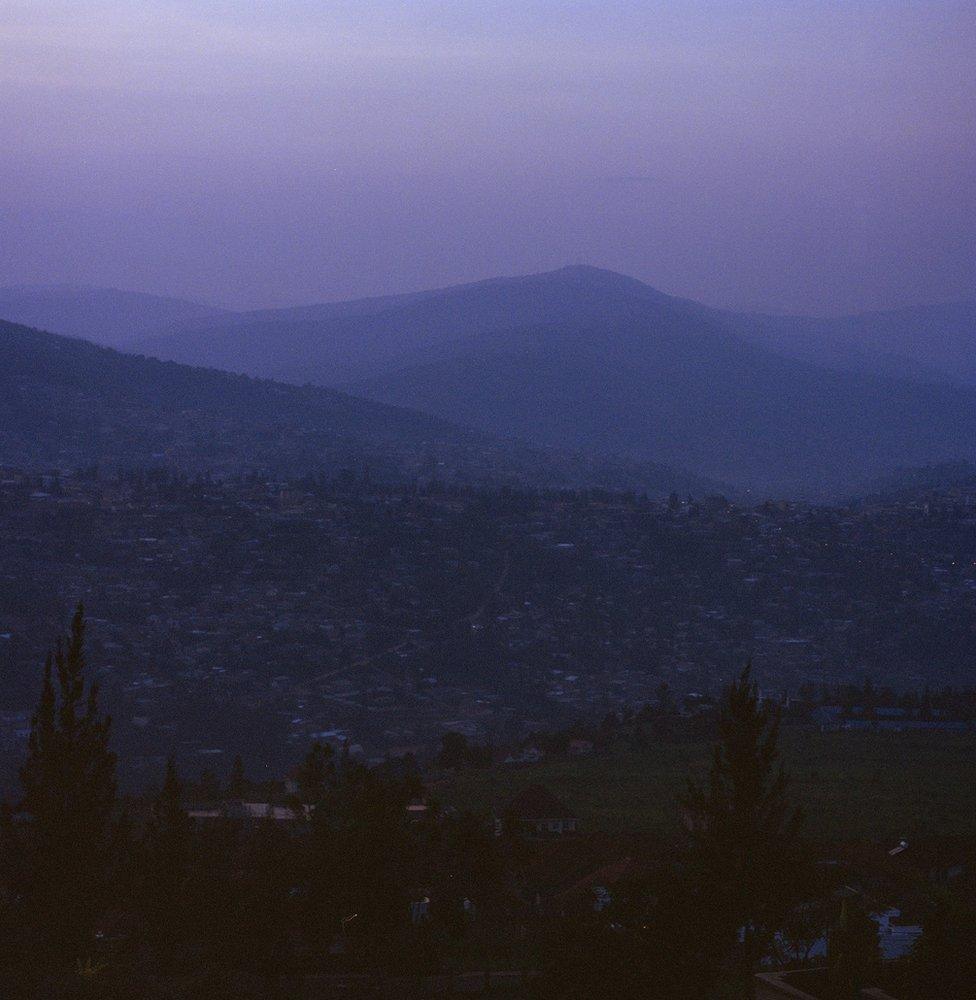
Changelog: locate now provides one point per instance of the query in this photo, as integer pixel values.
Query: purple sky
(776, 154)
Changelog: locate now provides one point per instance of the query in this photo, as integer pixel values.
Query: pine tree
(68, 785)
(168, 832)
(743, 831)
(237, 787)
(852, 952)
(166, 860)
(315, 772)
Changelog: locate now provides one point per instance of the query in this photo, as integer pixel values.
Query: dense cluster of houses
(498, 615)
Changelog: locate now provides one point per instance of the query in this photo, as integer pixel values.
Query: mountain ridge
(585, 358)
(112, 317)
(735, 412)
(69, 403)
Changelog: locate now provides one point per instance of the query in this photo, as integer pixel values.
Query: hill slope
(935, 343)
(584, 358)
(723, 408)
(340, 342)
(68, 403)
(104, 316)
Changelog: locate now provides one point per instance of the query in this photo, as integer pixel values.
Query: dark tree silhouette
(68, 784)
(166, 862)
(853, 953)
(743, 831)
(237, 786)
(943, 961)
(455, 751)
(358, 851)
(315, 772)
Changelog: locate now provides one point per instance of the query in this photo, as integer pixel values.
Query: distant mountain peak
(592, 272)
(579, 275)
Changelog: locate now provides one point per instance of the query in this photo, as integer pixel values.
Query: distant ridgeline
(579, 360)
(67, 404)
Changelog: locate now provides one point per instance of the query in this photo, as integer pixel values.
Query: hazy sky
(778, 154)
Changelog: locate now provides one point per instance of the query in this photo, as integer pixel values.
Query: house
(416, 810)
(245, 812)
(537, 812)
(595, 890)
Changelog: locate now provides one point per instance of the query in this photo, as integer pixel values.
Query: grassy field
(880, 786)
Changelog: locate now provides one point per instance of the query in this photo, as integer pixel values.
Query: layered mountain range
(596, 363)
(106, 316)
(66, 403)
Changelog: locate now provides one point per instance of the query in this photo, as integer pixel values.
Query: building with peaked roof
(246, 812)
(538, 812)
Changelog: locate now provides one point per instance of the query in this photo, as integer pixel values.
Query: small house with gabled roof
(538, 812)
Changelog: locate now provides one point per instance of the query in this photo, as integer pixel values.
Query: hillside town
(254, 617)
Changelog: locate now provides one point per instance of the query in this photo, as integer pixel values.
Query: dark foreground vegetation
(855, 785)
(353, 882)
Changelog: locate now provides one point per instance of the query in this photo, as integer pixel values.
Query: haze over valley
(587, 360)
(487, 500)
